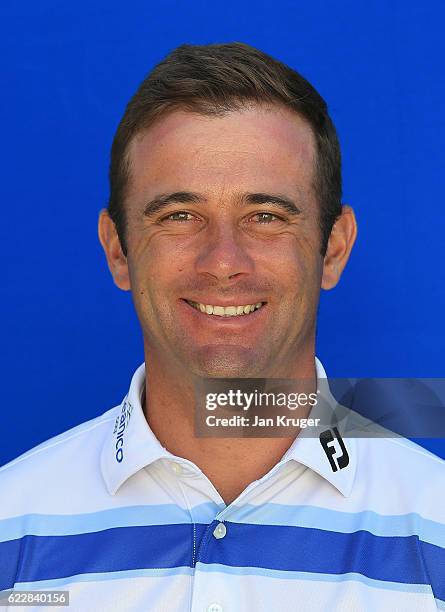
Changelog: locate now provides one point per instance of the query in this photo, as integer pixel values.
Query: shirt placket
(209, 590)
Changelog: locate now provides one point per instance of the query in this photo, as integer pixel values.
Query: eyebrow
(280, 201)
(186, 197)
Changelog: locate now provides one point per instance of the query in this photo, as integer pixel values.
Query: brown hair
(214, 80)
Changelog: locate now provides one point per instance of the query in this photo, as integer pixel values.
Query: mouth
(241, 310)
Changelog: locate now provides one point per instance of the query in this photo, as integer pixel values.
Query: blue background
(70, 339)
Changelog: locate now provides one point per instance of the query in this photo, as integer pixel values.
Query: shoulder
(401, 477)
(38, 479)
(400, 455)
(59, 445)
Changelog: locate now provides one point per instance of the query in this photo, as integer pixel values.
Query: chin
(224, 361)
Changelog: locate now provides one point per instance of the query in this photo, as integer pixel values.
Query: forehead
(257, 148)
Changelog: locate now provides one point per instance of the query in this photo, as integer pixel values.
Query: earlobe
(340, 244)
(117, 261)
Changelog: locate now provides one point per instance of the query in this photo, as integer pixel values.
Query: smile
(226, 311)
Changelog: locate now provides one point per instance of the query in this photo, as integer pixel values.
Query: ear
(340, 244)
(117, 261)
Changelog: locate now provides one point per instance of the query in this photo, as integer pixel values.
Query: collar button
(220, 531)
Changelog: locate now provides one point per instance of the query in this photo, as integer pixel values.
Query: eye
(266, 218)
(180, 216)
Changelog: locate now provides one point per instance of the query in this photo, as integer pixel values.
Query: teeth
(227, 311)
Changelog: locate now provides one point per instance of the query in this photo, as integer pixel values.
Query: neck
(230, 463)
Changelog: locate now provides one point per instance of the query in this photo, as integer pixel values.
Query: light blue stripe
(129, 516)
(263, 514)
(291, 575)
(342, 522)
(100, 577)
(440, 604)
(235, 571)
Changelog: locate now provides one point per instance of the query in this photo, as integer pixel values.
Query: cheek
(288, 261)
(157, 267)
(297, 272)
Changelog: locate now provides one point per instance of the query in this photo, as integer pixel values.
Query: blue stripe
(344, 522)
(391, 559)
(435, 562)
(127, 516)
(263, 514)
(35, 558)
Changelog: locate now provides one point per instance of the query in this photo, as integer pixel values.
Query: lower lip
(236, 321)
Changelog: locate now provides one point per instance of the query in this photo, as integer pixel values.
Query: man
(224, 221)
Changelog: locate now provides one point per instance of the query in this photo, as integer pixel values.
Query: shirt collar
(130, 444)
(309, 450)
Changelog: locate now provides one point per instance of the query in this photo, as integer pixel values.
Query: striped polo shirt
(105, 512)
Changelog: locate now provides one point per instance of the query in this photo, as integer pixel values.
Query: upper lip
(226, 302)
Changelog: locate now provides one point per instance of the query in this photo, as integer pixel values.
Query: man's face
(222, 213)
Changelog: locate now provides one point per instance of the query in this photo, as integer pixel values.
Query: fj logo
(330, 448)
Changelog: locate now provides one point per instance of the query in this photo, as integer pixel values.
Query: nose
(223, 257)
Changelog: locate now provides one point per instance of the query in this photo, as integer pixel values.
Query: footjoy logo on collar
(327, 439)
(119, 429)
